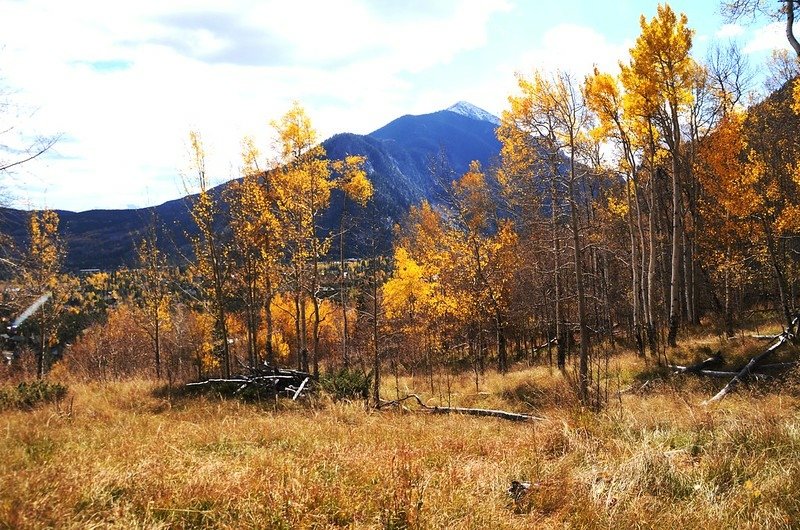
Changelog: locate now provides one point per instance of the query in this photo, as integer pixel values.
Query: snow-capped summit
(471, 111)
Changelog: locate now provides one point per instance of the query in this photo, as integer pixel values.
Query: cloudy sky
(124, 82)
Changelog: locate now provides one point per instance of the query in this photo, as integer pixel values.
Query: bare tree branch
(43, 146)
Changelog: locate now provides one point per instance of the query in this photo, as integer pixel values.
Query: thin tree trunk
(688, 283)
(651, 269)
(40, 358)
(314, 298)
(219, 302)
(728, 306)
(376, 351)
(342, 288)
(677, 239)
(252, 314)
(268, 317)
(315, 336)
(635, 288)
(502, 354)
(560, 344)
(300, 325)
(157, 344)
(583, 363)
(780, 278)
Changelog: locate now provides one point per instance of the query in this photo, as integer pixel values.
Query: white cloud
(125, 87)
(766, 38)
(575, 49)
(728, 31)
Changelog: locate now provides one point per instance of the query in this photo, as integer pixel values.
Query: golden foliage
(353, 179)
(661, 69)
(616, 206)
(45, 250)
(408, 289)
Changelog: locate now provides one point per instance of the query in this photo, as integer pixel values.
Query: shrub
(347, 384)
(27, 395)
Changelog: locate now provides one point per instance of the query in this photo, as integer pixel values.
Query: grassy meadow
(135, 454)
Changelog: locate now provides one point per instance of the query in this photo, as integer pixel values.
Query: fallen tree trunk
(537, 349)
(779, 366)
(755, 375)
(728, 373)
(698, 367)
(765, 337)
(512, 416)
(746, 371)
(731, 373)
(502, 414)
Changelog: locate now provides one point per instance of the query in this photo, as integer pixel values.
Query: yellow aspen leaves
(661, 70)
(408, 288)
(353, 179)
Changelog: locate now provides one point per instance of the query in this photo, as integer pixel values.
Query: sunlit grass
(131, 455)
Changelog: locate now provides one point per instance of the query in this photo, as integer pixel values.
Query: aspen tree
(552, 117)
(155, 298)
(661, 74)
(255, 244)
(353, 181)
(737, 9)
(41, 274)
(210, 261)
(605, 99)
(302, 188)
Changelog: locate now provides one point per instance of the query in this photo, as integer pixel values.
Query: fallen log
(764, 337)
(214, 382)
(743, 373)
(502, 414)
(755, 375)
(300, 389)
(779, 366)
(727, 373)
(537, 349)
(678, 369)
(698, 367)
(511, 416)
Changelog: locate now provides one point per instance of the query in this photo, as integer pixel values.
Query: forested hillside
(623, 207)
(400, 162)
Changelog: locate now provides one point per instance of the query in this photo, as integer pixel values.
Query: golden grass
(127, 455)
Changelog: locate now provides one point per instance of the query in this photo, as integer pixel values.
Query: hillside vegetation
(631, 225)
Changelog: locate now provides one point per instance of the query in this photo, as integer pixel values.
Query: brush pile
(259, 382)
(755, 368)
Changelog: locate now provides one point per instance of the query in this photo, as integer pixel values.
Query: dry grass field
(135, 455)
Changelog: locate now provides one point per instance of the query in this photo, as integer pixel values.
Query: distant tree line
(624, 208)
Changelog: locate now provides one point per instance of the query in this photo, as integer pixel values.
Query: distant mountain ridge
(401, 157)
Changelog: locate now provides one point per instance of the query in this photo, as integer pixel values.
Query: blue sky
(123, 85)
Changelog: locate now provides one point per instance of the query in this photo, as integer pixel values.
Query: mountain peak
(471, 111)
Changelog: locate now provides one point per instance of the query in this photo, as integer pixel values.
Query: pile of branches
(755, 368)
(263, 381)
